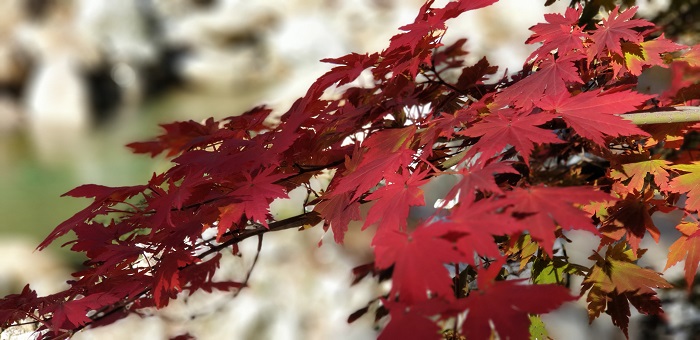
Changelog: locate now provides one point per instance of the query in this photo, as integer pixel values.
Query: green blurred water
(30, 189)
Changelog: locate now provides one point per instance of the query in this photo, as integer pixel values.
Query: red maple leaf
(445, 126)
(201, 276)
(419, 262)
(431, 20)
(561, 33)
(507, 304)
(166, 279)
(337, 212)
(509, 127)
(478, 179)
(251, 120)
(415, 34)
(547, 207)
(351, 66)
(615, 28)
(591, 115)
(648, 53)
(178, 137)
(400, 192)
(551, 78)
(413, 48)
(410, 117)
(475, 74)
(252, 199)
(473, 224)
(163, 201)
(114, 256)
(73, 313)
(384, 151)
(454, 8)
(104, 197)
(408, 322)
(18, 306)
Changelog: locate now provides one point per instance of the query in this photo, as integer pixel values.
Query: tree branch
(683, 114)
(289, 223)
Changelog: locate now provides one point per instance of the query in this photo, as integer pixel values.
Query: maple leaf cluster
(535, 154)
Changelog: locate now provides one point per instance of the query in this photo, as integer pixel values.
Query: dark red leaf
(508, 127)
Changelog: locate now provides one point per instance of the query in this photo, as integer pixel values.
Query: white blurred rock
(225, 70)
(131, 327)
(499, 31)
(20, 264)
(10, 114)
(11, 66)
(649, 8)
(118, 28)
(56, 97)
(24, 332)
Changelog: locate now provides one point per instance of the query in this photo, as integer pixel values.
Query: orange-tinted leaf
(686, 247)
(615, 278)
(649, 54)
(638, 171)
(688, 183)
(692, 56)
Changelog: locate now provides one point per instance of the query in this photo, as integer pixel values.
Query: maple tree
(566, 143)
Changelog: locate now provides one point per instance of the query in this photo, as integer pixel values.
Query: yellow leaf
(688, 183)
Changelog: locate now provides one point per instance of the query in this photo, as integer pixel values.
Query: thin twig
(255, 261)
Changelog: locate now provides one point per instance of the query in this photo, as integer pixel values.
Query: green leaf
(546, 272)
(537, 328)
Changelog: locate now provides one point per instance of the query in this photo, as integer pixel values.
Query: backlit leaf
(686, 247)
(688, 183)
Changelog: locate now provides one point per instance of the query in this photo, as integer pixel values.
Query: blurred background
(79, 79)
